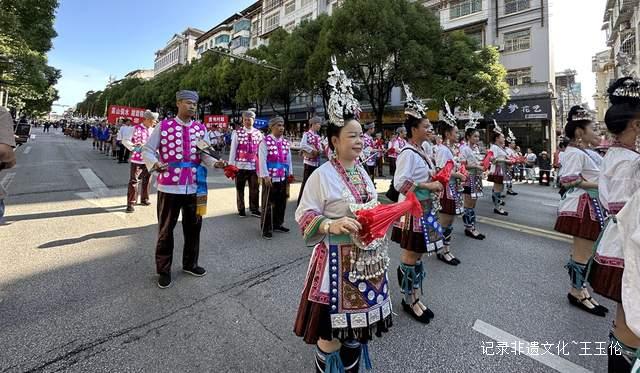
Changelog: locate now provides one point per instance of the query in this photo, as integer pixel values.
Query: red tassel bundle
(392, 152)
(376, 221)
(444, 174)
(463, 170)
(231, 172)
(291, 179)
(486, 162)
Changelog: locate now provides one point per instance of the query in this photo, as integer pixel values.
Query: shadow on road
(68, 213)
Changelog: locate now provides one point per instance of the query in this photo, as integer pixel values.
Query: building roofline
(227, 22)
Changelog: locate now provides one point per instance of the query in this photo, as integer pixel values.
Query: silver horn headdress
(342, 103)
(413, 106)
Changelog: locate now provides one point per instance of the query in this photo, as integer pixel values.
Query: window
(517, 41)
(242, 25)
(289, 7)
(240, 42)
(628, 45)
(271, 4)
(513, 6)
(272, 22)
(305, 3)
(255, 27)
(462, 8)
(306, 17)
(289, 26)
(476, 35)
(519, 77)
(222, 39)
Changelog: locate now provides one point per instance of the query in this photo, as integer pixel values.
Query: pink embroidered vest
(178, 145)
(314, 140)
(277, 154)
(248, 143)
(139, 137)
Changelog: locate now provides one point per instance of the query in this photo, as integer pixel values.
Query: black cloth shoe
(603, 308)
(164, 281)
(512, 193)
(424, 318)
(145, 203)
(242, 214)
(256, 214)
(267, 236)
(478, 236)
(282, 229)
(130, 209)
(195, 271)
(500, 212)
(578, 303)
(453, 262)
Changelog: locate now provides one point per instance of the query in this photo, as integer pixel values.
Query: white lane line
(93, 182)
(525, 229)
(27, 150)
(552, 361)
(7, 179)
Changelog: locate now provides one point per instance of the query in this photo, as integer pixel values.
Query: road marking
(27, 150)
(7, 179)
(93, 182)
(524, 229)
(552, 361)
(551, 204)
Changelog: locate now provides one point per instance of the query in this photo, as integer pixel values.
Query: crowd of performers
(345, 299)
(599, 209)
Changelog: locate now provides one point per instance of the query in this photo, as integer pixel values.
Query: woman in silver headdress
(451, 201)
(580, 213)
(345, 298)
(619, 179)
(423, 235)
(470, 155)
(498, 170)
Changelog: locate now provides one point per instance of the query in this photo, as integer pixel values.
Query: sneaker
(282, 229)
(242, 214)
(130, 209)
(164, 281)
(267, 236)
(196, 271)
(256, 214)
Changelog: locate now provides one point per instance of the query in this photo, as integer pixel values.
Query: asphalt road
(78, 291)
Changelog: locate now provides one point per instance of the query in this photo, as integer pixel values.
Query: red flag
(444, 174)
(231, 171)
(486, 163)
(376, 221)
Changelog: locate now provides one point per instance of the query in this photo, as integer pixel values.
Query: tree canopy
(26, 33)
(379, 43)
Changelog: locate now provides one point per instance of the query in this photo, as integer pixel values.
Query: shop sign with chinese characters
(515, 110)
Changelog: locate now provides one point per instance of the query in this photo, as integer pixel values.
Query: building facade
(568, 92)
(621, 21)
(603, 67)
(144, 74)
(180, 50)
(520, 31)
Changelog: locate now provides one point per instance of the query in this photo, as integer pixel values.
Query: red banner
(220, 121)
(116, 112)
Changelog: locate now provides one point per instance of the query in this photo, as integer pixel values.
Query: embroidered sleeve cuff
(571, 181)
(310, 224)
(407, 186)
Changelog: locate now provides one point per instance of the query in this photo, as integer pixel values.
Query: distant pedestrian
(139, 172)
(124, 134)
